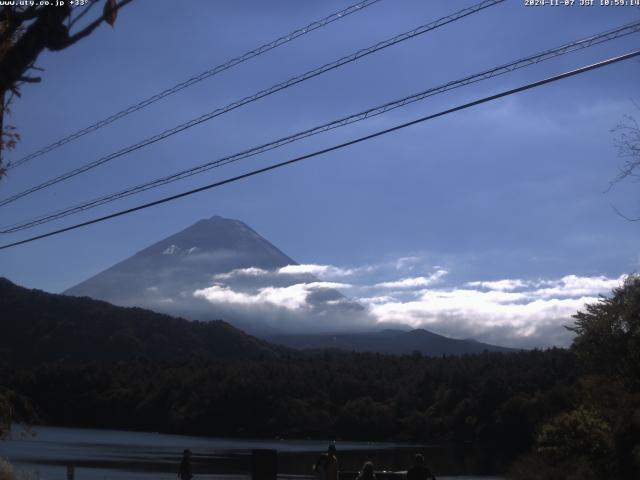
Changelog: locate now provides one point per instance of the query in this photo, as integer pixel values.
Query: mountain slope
(395, 342)
(234, 263)
(41, 327)
(186, 259)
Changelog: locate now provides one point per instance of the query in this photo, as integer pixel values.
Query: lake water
(120, 455)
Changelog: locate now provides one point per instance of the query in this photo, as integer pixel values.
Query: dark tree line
(496, 400)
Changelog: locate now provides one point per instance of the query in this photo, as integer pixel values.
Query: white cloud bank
(318, 270)
(572, 285)
(242, 272)
(293, 297)
(504, 285)
(414, 282)
(496, 312)
(324, 271)
(510, 311)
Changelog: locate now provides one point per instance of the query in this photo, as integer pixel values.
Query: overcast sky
(510, 190)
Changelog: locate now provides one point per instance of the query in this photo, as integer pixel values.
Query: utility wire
(486, 74)
(198, 78)
(261, 94)
(379, 133)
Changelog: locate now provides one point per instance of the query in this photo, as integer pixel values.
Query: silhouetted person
(420, 471)
(367, 472)
(184, 473)
(332, 463)
(320, 467)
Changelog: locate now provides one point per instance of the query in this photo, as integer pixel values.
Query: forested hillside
(39, 327)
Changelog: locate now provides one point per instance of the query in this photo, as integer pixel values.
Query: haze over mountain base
(222, 269)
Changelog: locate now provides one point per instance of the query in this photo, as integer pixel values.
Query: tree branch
(629, 219)
(27, 79)
(90, 28)
(49, 30)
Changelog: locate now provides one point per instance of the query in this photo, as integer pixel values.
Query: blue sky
(514, 189)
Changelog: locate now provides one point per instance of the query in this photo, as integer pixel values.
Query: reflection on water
(119, 455)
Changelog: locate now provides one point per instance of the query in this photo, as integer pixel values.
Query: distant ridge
(396, 342)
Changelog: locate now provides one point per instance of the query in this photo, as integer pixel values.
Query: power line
(333, 148)
(358, 7)
(261, 94)
(486, 74)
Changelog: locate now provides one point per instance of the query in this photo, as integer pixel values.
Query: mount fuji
(220, 268)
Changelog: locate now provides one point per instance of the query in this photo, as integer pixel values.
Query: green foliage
(608, 343)
(608, 334)
(577, 433)
(601, 437)
(15, 409)
(6, 470)
(535, 467)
